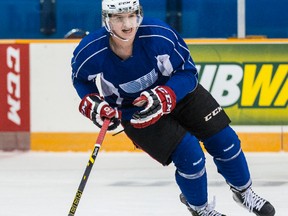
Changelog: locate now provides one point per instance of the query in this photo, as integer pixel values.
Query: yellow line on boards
(251, 142)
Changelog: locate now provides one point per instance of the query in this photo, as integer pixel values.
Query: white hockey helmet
(110, 7)
(119, 6)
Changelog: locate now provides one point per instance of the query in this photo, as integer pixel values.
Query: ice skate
(251, 201)
(207, 210)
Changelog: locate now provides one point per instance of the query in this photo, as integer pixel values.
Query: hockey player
(150, 84)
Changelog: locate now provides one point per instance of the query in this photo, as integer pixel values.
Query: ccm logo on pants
(213, 113)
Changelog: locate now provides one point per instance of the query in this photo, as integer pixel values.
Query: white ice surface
(122, 184)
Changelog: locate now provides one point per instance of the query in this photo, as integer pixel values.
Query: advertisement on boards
(14, 88)
(250, 81)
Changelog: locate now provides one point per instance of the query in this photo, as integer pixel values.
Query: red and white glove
(96, 109)
(158, 101)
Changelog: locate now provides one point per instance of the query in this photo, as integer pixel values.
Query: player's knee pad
(224, 145)
(189, 158)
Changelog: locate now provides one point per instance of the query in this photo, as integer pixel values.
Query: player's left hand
(158, 101)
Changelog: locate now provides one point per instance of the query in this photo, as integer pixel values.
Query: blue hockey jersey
(160, 57)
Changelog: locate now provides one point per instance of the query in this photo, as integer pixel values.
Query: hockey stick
(89, 167)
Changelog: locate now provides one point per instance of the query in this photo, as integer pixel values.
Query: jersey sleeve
(84, 87)
(184, 77)
(82, 80)
(86, 65)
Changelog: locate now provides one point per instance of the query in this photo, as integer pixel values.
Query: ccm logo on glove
(96, 109)
(158, 101)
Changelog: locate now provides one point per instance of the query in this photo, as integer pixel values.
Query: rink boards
(39, 107)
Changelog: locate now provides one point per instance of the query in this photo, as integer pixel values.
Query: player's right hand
(96, 109)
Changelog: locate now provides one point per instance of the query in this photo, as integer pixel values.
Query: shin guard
(229, 157)
(191, 177)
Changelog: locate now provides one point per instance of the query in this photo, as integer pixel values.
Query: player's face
(124, 24)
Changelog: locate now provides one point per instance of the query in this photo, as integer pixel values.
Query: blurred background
(240, 48)
(39, 117)
(45, 19)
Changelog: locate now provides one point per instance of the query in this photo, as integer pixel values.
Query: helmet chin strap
(118, 37)
(108, 28)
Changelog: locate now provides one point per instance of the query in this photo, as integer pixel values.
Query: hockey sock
(228, 157)
(190, 174)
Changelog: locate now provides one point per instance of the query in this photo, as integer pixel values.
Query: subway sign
(248, 79)
(249, 85)
(252, 93)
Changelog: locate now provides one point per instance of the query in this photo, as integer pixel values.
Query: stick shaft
(89, 166)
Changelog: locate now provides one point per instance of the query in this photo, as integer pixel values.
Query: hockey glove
(158, 101)
(96, 109)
